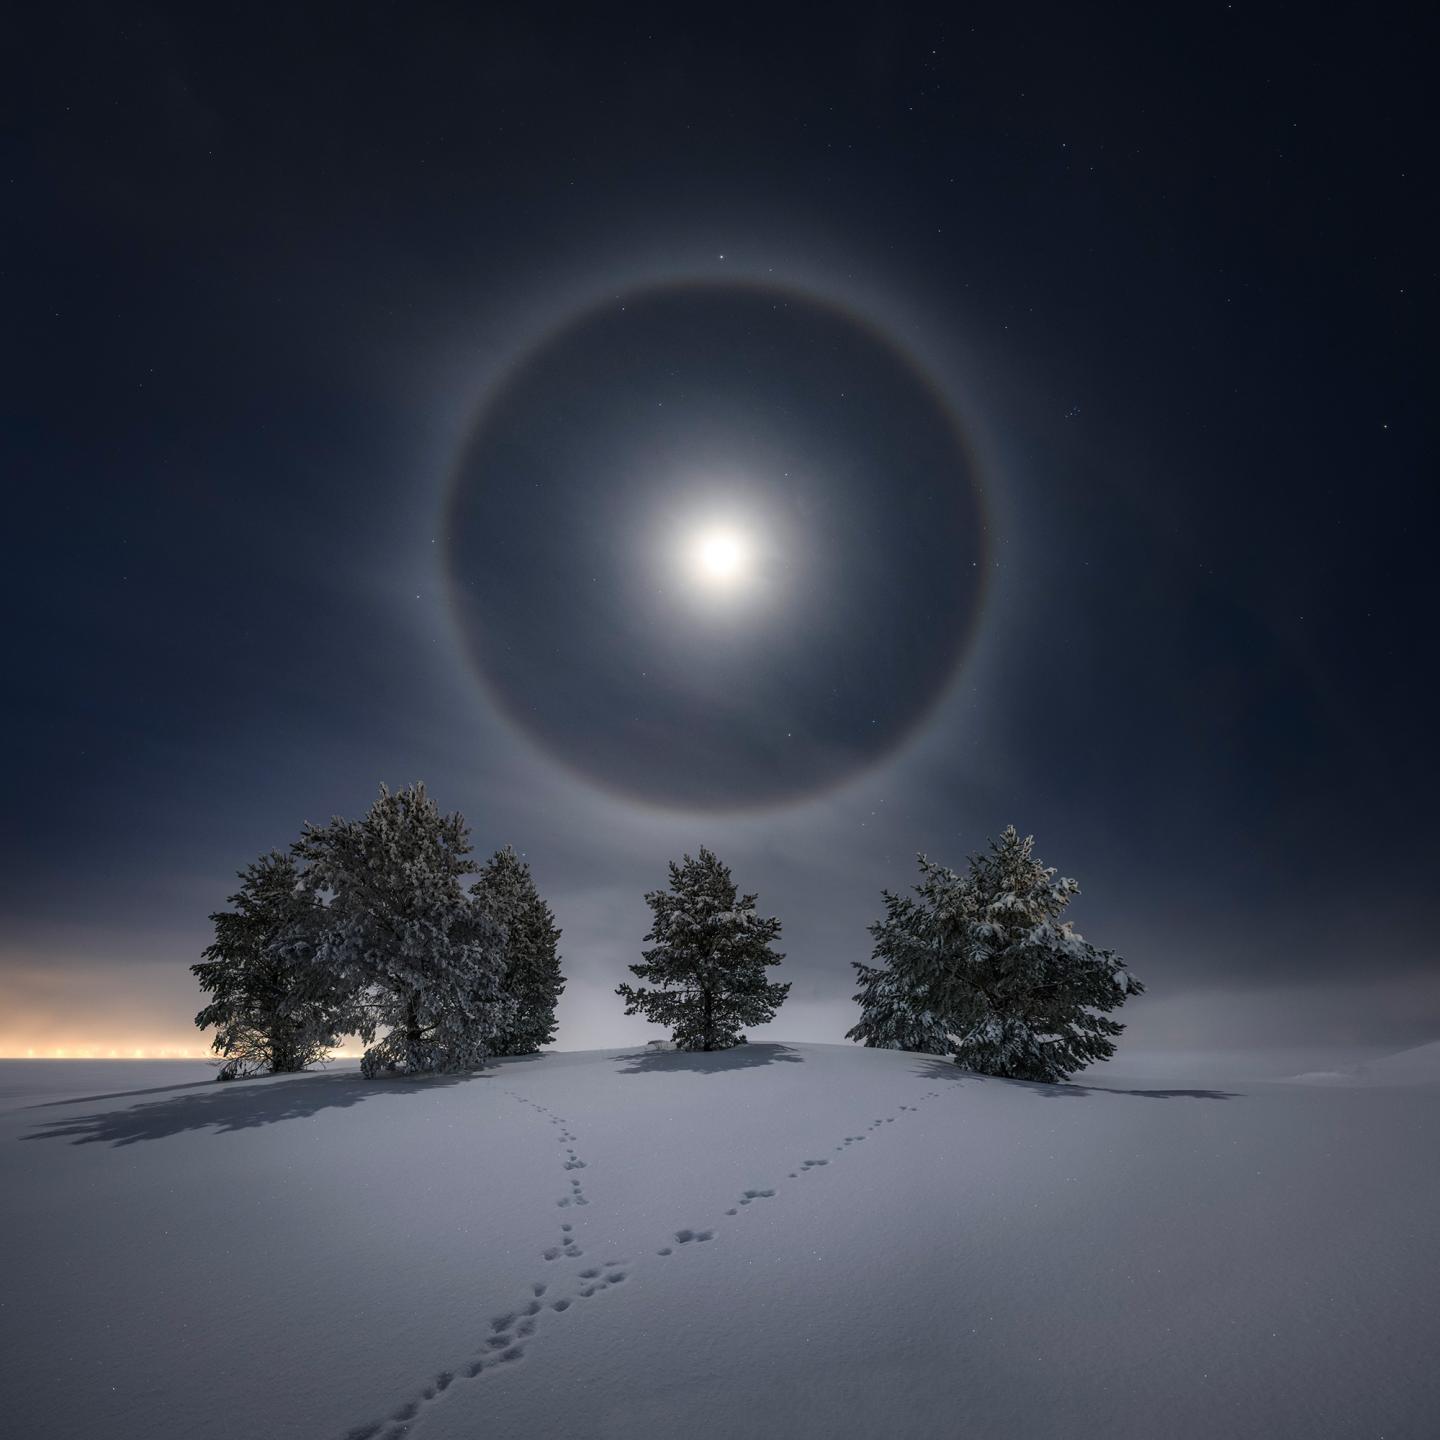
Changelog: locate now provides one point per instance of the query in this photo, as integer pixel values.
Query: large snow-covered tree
(272, 1009)
(424, 961)
(986, 960)
(506, 892)
(706, 968)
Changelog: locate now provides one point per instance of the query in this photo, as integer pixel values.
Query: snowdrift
(1418, 1066)
(797, 1240)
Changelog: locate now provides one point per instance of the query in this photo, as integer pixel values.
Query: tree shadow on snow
(230, 1107)
(940, 1068)
(738, 1057)
(1061, 1091)
(122, 1094)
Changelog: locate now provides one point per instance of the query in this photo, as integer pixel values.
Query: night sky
(376, 376)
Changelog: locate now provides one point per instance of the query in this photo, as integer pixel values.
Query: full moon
(720, 557)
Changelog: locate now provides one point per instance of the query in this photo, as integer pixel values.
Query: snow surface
(797, 1240)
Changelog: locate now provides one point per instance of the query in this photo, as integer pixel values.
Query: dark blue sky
(1173, 277)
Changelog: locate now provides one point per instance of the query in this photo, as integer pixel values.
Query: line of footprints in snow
(508, 1332)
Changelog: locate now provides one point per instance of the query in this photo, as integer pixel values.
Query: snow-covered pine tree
(896, 1010)
(506, 892)
(271, 1008)
(1018, 992)
(1031, 995)
(707, 966)
(399, 932)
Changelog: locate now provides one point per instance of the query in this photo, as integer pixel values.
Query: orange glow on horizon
(10, 1050)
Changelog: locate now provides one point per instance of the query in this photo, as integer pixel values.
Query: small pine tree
(707, 965)
(272, 1010)
(424, 961)
(987, 958)
(507, 893)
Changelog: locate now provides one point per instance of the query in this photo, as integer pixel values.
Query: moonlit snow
(789, 1240)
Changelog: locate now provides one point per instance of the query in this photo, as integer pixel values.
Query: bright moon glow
(721, 557)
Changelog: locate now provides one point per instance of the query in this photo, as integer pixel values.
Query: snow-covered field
(780, 1240)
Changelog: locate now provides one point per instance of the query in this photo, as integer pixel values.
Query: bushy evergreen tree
(897, 1011)
(986, 960)
(271, 1008)
(506, 892)
(399, 933)
(707, 965)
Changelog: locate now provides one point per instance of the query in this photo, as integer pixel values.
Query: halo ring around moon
(579, 640)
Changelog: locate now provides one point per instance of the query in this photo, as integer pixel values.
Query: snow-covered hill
(796, 1240)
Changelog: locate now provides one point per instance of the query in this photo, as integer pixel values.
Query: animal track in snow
(504, 1345)
(572, 1161)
